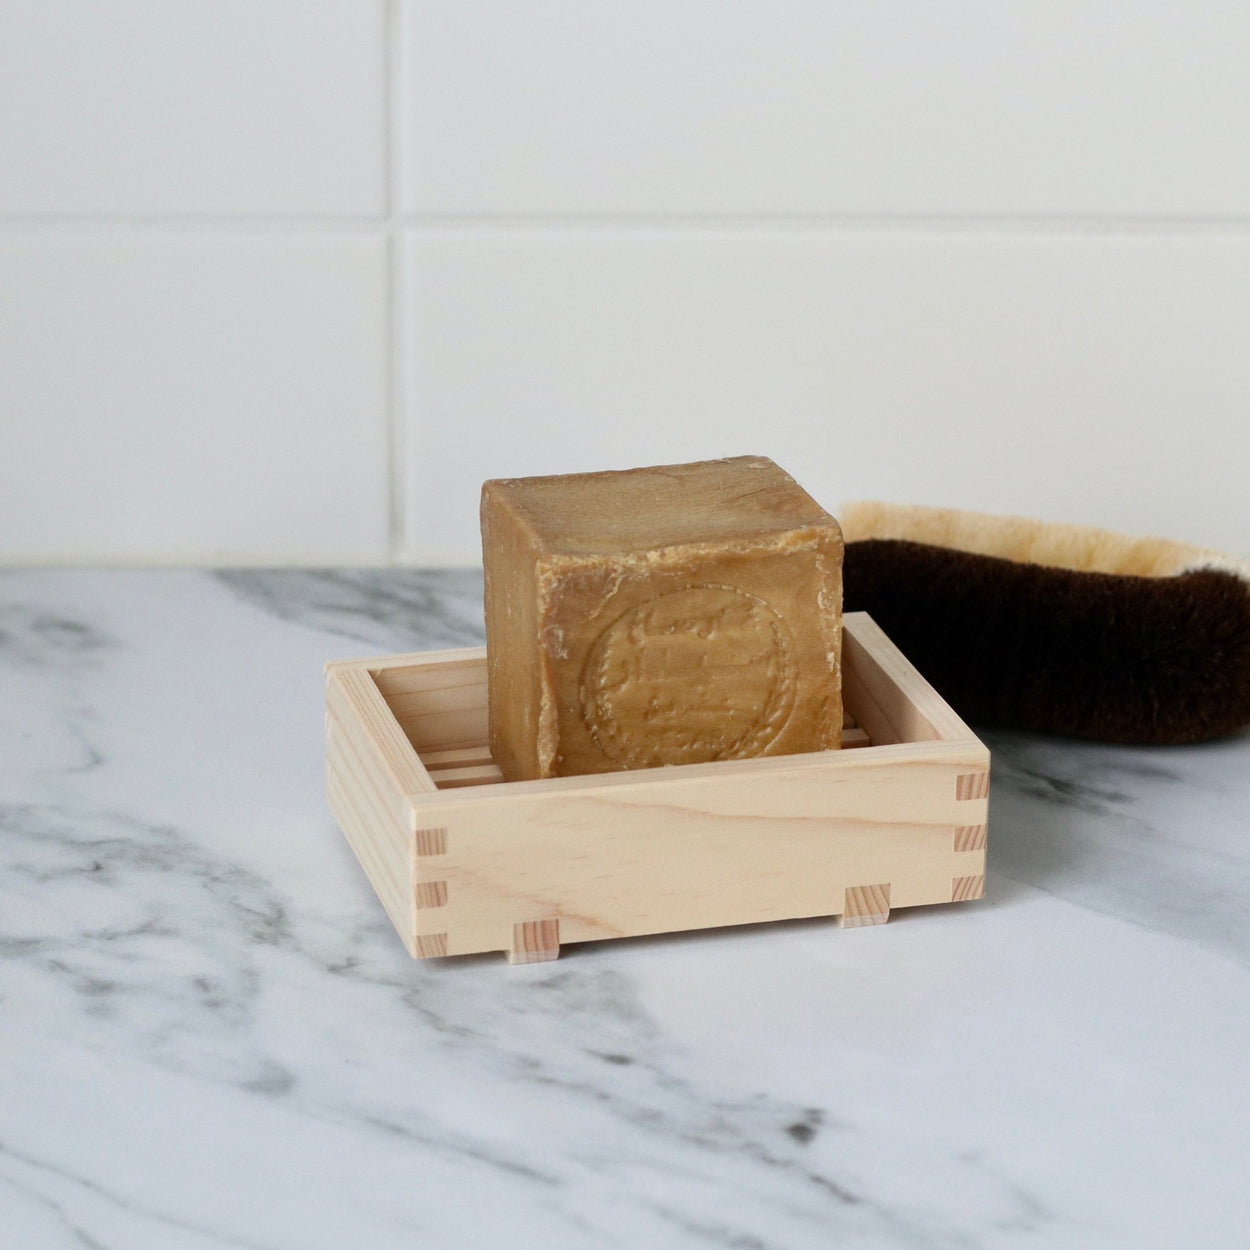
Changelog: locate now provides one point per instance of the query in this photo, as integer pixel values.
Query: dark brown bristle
(1093, 655)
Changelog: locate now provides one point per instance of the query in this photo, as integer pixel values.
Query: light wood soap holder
(466, 862)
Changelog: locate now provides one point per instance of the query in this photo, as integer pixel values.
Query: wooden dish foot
(535, 941)
(865, 904)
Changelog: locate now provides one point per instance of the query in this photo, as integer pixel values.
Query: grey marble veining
(394, 609)
(212, 1037)
(1141, 833)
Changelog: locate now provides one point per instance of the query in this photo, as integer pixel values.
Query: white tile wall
(285, 279)
(808, 107)
(1087, 379)
(187, 397)
(196, 107)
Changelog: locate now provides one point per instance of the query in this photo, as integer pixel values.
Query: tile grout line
(396, 357)
(955, 225)
(390, 114)
(395, 433)
(392, 221)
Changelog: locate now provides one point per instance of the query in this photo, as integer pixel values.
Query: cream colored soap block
(669, 615)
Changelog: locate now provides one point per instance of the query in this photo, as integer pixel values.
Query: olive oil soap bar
(677, 614)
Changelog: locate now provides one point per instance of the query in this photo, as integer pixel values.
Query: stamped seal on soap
(705, 673)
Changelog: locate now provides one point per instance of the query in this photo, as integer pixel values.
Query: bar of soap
(669, 615)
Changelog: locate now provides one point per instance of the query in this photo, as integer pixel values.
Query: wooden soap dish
(466, 862)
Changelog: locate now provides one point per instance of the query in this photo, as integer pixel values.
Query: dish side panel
(367, 799)
(728, 848)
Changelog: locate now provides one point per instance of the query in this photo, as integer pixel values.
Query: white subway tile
(805, 107)
(199, 106)
(1093, 379)
(184, 396)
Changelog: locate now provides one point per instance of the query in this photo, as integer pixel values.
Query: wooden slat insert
(472, 775)
(458, 758)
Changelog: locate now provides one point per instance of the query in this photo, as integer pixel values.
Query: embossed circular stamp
(705, 673)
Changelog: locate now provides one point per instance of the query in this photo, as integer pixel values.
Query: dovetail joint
(970, 838)
(965, 888)
(431, 944)
(431, 894)
(432, 841)
(972, 785)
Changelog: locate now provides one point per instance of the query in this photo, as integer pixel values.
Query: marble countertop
(211, 1036)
